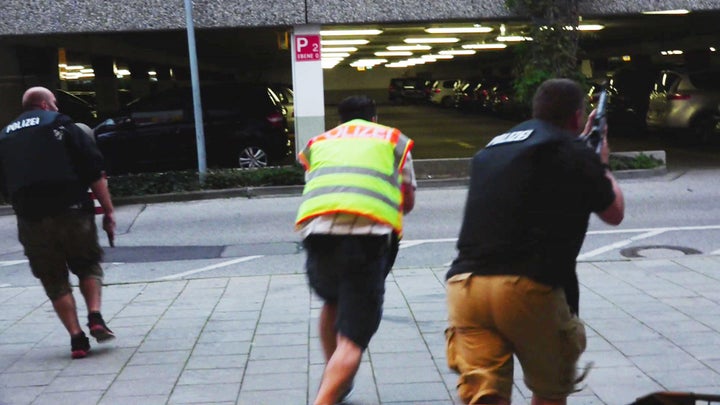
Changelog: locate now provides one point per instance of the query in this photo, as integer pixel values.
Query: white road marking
(208, 268)
(12, 262)
(644, 234)
(415, 242)
(619, 244)
(664, 229)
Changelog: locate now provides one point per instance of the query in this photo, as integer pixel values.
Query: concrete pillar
(307, 76)
(106, 87)
(11, 85)
(139, 79)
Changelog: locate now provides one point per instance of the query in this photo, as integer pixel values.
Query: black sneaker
(98, 329)
(80, 346)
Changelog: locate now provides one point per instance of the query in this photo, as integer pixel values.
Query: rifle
(595, 137)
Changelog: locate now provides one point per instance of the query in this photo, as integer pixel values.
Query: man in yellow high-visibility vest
(359, 183)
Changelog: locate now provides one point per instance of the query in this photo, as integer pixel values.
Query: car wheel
(703, 128)
(447, 102)
(252, 157)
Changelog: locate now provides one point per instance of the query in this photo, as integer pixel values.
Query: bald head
(39, 98)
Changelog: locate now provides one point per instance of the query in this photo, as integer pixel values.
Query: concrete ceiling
(258, 48)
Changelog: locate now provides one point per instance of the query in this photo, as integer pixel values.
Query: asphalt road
(667, 216)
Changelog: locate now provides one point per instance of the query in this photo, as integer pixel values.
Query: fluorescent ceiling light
(484, 46)
(458, 30)
(337, 33)
(409, 48)
(431, 40)
(344, 41)
(335, 54)
(393, 53)
(436, 56)
(458, 52)
(667, 12)
(590, 27)
(396, 65)
(368, 62)
(339, 49)
(513, 38)
(713, 49)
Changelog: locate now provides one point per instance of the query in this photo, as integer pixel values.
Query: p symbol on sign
(300, 43)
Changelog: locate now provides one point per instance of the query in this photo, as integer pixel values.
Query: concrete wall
(18, 17)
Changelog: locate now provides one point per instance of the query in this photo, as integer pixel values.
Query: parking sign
(307, 48)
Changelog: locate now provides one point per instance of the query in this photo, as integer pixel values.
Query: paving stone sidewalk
(653, 325)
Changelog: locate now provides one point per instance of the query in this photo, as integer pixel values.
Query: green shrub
(640, 161)
(183, 181)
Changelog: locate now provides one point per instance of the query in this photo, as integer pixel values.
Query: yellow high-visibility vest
(355, 168)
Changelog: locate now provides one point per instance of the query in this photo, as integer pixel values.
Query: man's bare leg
(339, 371)
(91, 289)
(66, 310)
(328, 334)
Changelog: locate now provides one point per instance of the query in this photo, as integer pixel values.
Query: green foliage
(553, 51)
(183, 181)
(640, 161)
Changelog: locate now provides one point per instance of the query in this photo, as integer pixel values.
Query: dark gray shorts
(59, 244)
(350, 271)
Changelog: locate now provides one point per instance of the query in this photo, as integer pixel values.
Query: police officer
(513, 289)
(47, 164)
(359, 183)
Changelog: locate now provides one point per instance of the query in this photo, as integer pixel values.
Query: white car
(442, 92)
(686, 102)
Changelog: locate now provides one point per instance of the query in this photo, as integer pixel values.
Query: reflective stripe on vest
(355, 169)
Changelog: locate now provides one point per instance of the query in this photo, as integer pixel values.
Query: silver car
(686, 102)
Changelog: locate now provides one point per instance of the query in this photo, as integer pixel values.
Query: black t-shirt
(531, 193)
(47, 164)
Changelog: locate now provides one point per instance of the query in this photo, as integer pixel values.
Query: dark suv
(244, 126)
(408, 90)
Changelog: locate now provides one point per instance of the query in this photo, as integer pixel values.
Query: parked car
(408, 90)
(622, 112)
(685, 101)
(464, 96)
(76, 108)
(286, 97)
(442, 92)
(244, 126)
(503, 102)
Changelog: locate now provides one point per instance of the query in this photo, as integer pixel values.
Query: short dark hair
(354, 107)
(557, 100)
